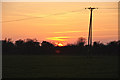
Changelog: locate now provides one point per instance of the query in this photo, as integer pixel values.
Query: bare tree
(81, 41)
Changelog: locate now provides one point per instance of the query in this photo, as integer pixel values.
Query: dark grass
(36, 66)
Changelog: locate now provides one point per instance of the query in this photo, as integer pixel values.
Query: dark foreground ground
(36, 66)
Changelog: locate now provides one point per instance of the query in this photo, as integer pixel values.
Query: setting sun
(59, 44)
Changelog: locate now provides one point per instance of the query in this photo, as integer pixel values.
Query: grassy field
(36, 66)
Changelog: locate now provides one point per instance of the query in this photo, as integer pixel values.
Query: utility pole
(90, 26)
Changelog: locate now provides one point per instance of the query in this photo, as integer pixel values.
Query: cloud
(59, 38)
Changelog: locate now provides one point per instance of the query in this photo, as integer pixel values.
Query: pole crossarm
(91, 8)
(90, 27)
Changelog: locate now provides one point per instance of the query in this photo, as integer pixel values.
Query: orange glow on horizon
(60, 44)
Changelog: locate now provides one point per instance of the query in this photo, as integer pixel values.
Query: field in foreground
(36, 66)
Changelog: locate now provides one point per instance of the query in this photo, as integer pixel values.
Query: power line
(21, 19)
(42, 17)
(108, 8)
(50, 15)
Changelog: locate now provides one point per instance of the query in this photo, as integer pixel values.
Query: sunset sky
(62, 22)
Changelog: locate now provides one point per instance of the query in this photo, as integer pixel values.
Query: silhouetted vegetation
(33, 47)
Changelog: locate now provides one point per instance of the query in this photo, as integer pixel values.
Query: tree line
(33, 47)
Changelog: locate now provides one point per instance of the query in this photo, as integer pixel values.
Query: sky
(62, 22)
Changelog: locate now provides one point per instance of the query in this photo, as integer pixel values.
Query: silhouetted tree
(31, 43)
(113, 44)
(19, 43)
(113, 47)
(70, 45)
(7, 45)
(98, 44)
(7, 42)
(46, 44)
(81, 41)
